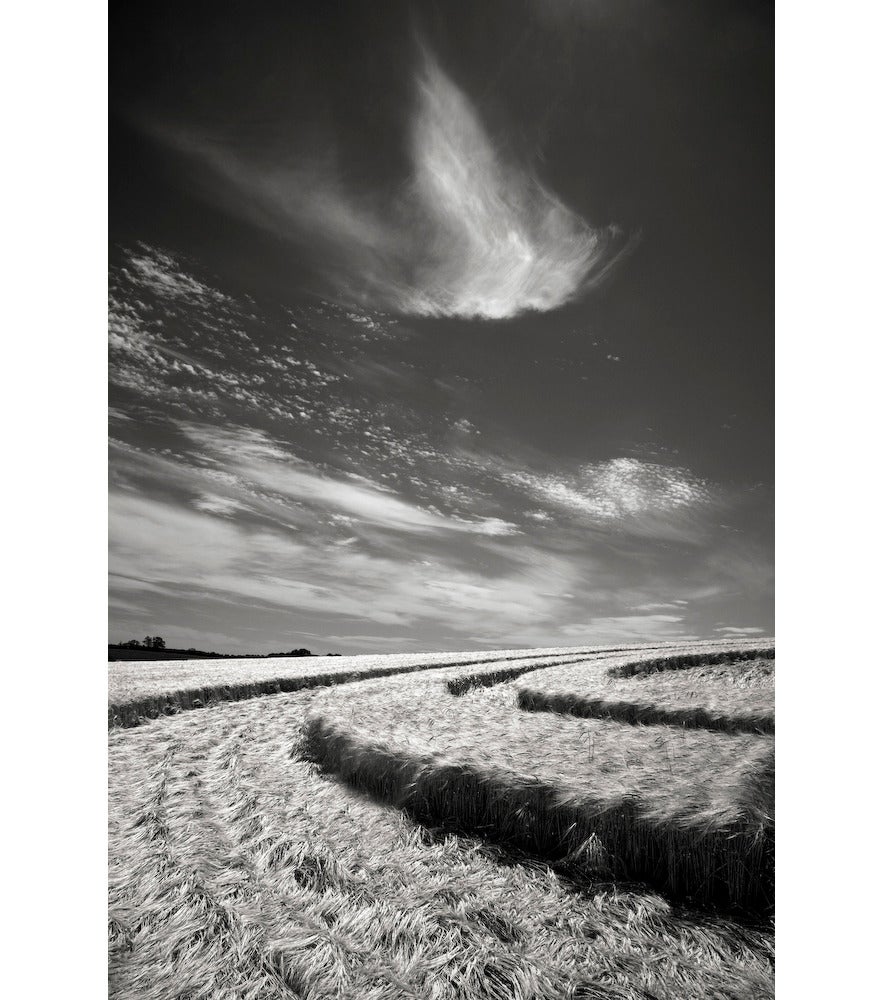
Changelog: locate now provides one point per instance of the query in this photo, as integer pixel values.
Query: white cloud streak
(626, 628)
(158, 545)
(658, 606)
(472, 234)
(253, 458)
(619, 489)
(498, 242)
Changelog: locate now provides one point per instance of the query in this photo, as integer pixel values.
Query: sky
(441, 325)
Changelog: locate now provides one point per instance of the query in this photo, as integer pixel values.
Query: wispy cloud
(274, 492)
(619, 490)
(498, 243)
(162, 274)
(626, 628)
(232, 518)
(252, 457)
(162, 547)
(658, 606)
(743, 630)
(473, 233)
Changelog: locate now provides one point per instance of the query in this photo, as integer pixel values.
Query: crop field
(419, 833)
(142, 690)
(727, 696)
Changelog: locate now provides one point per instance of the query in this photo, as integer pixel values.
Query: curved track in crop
(239, 871)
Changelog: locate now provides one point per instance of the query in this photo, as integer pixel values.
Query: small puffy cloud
(211, 503)
(537, 515)
(465, 426)
(494, 526)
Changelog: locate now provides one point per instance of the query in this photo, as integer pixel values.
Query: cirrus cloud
(473, 233)
(254, 459)
(615, 489)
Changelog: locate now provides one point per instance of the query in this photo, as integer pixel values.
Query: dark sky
(440, 325)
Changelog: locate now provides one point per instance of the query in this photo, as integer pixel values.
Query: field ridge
(685, 660)
(643, 713)
(729, 864)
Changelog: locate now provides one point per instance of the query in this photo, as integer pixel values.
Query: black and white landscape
(441, 340)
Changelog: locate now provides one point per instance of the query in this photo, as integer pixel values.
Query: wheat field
(401, 836)
(142, 690)
(724, 696)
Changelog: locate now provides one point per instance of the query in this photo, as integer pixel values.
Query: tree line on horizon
(156, 642)
(150, 642)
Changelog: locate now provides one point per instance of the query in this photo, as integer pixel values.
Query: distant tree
(131, 644)
(157, 642)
